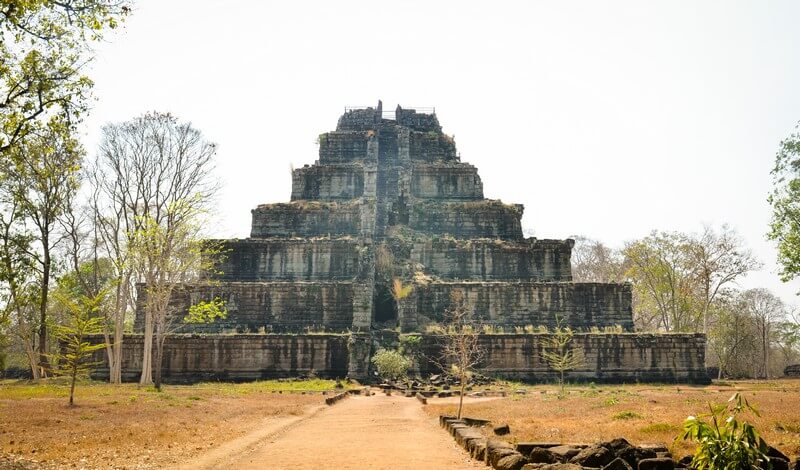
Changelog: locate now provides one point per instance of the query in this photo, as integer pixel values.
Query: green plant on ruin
(399, 290)
(391, 364)
(726, 442)
(206, 312)
(560, 355)
(384, 262)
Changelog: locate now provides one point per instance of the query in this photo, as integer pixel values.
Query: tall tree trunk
(45, 286)
(147, 354)
(160, 337)
(33, 359)
(115, 350)
(461, 396)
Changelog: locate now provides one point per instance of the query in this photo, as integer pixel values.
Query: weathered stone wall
(328, 182)
(343, 146)
(193, 358)
(474, 219)
(417, 121)
(446, 181)
(307, 219)
(616, 358)
(306, 259)
(431, 147)
(265, 306)
(360, 119)
(578, 305)
(532, 259)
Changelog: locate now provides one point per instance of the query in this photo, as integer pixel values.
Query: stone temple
(389, 198)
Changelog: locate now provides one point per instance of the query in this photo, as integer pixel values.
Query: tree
(167, 256)
(44, 47)
(719, 259)
(39, 181)
(153, 187)
(73, 357)
(731, 339)
(461, 351)
(559, 355)
(785, 202)
(663, 278)
(391, 364)
(592, 261)
(766, 311)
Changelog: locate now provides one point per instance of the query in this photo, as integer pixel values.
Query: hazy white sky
(606, 119)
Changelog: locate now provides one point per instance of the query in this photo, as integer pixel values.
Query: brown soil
(639, 413)
(129, 427)
(376, 432)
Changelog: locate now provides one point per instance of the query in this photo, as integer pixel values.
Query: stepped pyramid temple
(389, 198)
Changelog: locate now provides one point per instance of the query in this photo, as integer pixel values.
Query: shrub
(624, 415)
(391, 365)
(726, 442)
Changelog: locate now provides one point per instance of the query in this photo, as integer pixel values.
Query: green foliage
(206, 312)
(43, 52)
(785, 202)
(391, 365)
(726, 442)
(559, 355)
(626, 415)
(409, 345)
(73, 358)
(659, 427)
(400, 291)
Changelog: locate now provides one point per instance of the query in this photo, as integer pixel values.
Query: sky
(605, 119)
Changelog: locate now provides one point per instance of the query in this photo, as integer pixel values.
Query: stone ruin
(310, 290)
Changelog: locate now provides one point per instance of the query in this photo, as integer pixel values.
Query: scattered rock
(656, 464)
(513, 461)
(551, 466)
(618, 464)
(540, 455)
(502, 430)
(594, 456)
(564, 453)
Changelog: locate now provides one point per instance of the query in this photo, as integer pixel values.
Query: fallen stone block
(502, 430)
(594, 456)
(551, 466)
(618, 464)
(656, 464)
(513, 461)
(422, 399)
(525, 448)
(565, 452)
(541, 455)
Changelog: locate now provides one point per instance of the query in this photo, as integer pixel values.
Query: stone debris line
(617, 454)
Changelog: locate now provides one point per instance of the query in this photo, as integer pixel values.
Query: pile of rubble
(618, 454)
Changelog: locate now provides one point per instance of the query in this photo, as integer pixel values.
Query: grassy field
(136, 427)
(639, 413)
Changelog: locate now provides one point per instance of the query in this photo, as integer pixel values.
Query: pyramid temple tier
(338, 306)
(359, 146)
(511, 305)
(330, 259)
(473, 219)
(343, 181)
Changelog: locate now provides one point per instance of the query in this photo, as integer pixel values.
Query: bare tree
(766, 311)
(153, 180)
(720, 258)
(461, 351)
(592, 261)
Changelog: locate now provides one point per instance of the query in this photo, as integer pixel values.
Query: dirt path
(376, 432)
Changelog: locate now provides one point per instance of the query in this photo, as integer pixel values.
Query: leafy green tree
(73, 358)
(44, 47)
(391, 364)
(785, 202)
(726, 442)
(39, 181)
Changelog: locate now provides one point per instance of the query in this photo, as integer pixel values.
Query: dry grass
(639, 413)
(126, 426)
